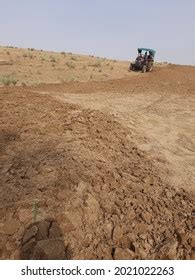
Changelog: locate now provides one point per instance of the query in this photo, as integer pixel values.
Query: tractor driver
(139, 57)
(145, 57)
(150, 57)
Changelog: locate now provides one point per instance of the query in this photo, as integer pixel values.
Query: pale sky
(107, 28)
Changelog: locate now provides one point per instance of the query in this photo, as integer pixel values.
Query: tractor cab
(144, 60)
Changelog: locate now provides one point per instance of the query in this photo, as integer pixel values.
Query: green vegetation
(96, 64)
(70, 65)
(8, 80)
(35, 210)
(73, 58)
(53, 59)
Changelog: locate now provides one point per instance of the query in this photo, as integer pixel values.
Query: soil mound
(83, 169)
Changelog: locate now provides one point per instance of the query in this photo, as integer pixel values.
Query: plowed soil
(111, 162)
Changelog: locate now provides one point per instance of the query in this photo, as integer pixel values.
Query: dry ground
(112, 161)
(32, 67)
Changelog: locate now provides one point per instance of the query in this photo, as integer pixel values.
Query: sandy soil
(112, 162)
(32, 67)
(159, 110)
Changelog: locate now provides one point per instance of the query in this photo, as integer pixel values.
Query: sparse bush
(53, 59)
(70, 65)
(71, 79)
(30, 56)
(108, 64)
(61, 80)
(100, 70)
(8, 53)
(25, 55)
(114, 60)
(52, 65)
(84, 67)
(43, 58)
(73, 58)
(14, 82)
(111, 68)
(63, 53)
(7, 80)
(97, 64)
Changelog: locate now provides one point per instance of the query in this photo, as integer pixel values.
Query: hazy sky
(107, 28)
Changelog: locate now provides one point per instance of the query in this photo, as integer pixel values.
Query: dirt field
(32, 67)
(111, 161)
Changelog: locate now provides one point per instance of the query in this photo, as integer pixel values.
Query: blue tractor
(144, 61)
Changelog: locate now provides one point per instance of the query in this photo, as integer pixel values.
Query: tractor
(144, 61)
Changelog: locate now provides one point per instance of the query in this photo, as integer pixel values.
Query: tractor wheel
(144, 69)
(149, 67)
(131, 68)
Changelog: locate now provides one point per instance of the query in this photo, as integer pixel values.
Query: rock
(169, 250)
(104, 251)
(29, 234)
(11, 226)
(27, 249)
(118, 233)
(193, 243)
(147, 217)
(50, 249)
(108, 229)
(62, 195)
(141, 253)
(131, 215)
(1, 248)
(54, 231)
(141, 228)
(123, 254)
(172, 252)
(24, 215)
(43, 230)
(2, 214)
(67, 227)
(42, 240)
(183, 238)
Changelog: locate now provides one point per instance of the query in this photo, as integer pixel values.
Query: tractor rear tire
(149, 67)
(131, 68)
(144, 69)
